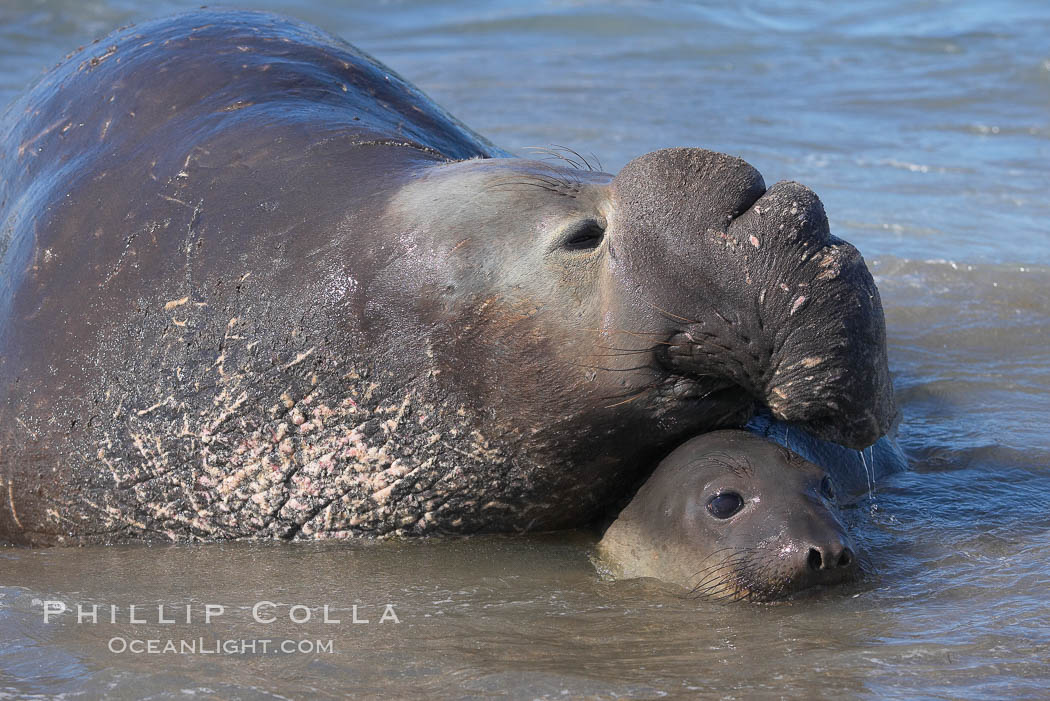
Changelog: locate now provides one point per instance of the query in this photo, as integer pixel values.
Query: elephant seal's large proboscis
(256, 285)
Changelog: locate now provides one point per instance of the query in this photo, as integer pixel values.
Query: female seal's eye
(586, 235)
(725, 504)
(827, 488)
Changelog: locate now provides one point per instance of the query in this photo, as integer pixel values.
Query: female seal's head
(732, 516)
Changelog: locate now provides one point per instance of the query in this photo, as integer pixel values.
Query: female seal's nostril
(818, 560)
(815, 560)
(846, 558)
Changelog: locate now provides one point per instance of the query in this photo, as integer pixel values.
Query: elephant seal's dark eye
(827, 488)
(584, 236)
(725, 504)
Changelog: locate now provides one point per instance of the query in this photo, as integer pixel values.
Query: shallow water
(923, 126)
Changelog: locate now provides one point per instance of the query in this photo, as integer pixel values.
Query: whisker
(550, 151)
(722, 582)
(632, 392)
(509, 184)
(626, 401)
(553, 154)
(708, 576)
(640, 335)
(673, 316)
(634, 395)
(622, 354)
(632, 333)
(550, 179)
(599, 367)
(647, 349)
(585, 162)
(577, 161)
(550, 182)
(563, 178)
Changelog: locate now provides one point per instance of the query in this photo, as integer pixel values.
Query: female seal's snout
(733, 517)
(823, 552)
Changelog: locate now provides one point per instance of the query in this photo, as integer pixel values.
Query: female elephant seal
(732, 516)
(256, 285)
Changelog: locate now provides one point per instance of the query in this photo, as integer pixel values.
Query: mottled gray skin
(787, 535)
(257, 286)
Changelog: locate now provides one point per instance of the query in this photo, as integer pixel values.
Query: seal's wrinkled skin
(733, 517)
(256, 285)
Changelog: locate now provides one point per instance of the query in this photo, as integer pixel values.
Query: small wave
(911, 167)
(1019, 277)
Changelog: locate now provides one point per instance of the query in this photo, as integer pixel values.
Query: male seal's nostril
(846, 558)
(815, 560)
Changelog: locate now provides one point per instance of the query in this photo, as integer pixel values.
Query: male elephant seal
(256, 285)
(732, 516)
